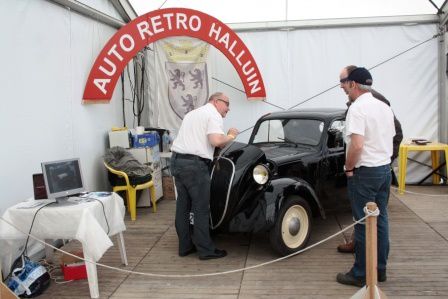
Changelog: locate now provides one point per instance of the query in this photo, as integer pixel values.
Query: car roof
(320, 113)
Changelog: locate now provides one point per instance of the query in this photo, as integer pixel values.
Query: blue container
(146, 140)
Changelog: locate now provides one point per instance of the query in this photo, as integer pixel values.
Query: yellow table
(434, 148)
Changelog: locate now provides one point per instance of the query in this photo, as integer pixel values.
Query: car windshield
(290, 131)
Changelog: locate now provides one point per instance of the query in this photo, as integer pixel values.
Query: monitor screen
(62, 178)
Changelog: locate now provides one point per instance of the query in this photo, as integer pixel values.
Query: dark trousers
(370, 184)
(192, 180)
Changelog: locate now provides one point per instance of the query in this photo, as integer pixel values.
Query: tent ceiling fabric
(236, 11)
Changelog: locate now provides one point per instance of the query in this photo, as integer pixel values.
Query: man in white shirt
(201, 131)
(369, 130)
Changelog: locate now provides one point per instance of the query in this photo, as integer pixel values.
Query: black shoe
(190, 251)
(219, 253)
(349, 279)
(382, 277)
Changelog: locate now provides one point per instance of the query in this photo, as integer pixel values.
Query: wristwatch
(348, 170)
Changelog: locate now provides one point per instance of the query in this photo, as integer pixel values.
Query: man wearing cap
(349, 247)
(369, 131)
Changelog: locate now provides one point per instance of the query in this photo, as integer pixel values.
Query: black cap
(360, 75)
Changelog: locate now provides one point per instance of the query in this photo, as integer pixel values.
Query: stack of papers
(33, 203)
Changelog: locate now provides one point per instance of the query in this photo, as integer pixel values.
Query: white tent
(49, 46)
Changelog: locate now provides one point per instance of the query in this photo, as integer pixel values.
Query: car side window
(336, 134)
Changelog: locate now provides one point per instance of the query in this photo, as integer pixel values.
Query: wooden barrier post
(371, 290)
(371, 251)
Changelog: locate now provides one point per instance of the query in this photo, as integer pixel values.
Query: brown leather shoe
(347, 247)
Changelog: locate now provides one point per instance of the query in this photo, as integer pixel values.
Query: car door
(335, 182)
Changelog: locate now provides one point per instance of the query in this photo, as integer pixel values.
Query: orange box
(73, 268)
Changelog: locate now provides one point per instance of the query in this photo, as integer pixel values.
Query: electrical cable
(135, 100)
(162, 4)
(122, 98)
(31, 227)
(138, 95)
(58, 279)
(142, 90)
(135, 94)
(24, 252)
(104, 211)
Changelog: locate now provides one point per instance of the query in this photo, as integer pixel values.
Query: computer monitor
(62, 178)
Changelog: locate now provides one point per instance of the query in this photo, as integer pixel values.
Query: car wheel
(292, 227)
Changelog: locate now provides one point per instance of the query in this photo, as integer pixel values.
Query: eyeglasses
(225, 102)
(343, 80)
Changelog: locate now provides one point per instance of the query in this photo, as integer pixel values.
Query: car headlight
(260, 174)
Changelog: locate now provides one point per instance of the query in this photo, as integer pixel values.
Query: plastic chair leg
(132, 203)
(153, 198)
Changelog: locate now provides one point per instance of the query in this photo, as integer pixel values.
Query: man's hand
(220, 140)
(232, 133)
(349, 173)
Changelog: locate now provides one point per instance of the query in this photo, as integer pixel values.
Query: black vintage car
(290, 172)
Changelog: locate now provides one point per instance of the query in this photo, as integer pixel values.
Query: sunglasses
(225, 102)
(343, 80)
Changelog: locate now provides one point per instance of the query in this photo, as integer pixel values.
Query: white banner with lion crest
(182, 79)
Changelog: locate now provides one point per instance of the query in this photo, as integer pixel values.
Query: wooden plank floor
(418, 264)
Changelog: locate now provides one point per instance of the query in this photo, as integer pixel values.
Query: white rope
(190, 275)
(369, 213)
(410, 192)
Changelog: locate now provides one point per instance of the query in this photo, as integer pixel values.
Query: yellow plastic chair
(131, 191)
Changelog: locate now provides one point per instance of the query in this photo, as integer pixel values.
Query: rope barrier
(191, 275)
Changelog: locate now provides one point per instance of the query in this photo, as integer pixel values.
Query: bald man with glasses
(201, 131)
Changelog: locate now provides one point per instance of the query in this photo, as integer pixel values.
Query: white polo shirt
(194, 130)
(374, 120)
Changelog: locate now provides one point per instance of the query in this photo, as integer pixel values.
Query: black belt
(190, 157)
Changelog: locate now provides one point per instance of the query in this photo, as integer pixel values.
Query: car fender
(279, 190)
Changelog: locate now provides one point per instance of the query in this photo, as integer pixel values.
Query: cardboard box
(119, 138)
(168, 188)
(73, 268)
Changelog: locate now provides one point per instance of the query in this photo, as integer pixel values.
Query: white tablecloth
(84, 221)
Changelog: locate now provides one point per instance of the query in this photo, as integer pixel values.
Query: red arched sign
(158, 24)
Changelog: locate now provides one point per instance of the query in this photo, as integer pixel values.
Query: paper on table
(33, 204)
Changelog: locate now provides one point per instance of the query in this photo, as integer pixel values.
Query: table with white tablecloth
(84, 219)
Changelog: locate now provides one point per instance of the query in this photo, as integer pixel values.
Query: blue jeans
(370, 184)
(192, 180)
